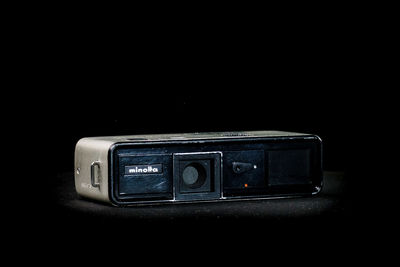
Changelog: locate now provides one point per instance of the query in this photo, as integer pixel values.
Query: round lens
(190, 175)
(194, 175)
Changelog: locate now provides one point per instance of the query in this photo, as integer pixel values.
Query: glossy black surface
(260, 167)
(144, 186)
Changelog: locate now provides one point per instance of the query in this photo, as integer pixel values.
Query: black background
(296, 73)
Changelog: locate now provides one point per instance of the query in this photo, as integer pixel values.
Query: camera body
(193, 167)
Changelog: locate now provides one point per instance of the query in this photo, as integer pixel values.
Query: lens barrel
(197, 175)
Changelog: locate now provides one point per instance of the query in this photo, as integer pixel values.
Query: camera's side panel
(91, 168)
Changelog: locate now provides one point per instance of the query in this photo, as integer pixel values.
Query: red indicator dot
(245, 185)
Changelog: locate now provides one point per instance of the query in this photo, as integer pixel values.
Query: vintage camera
(192, 167)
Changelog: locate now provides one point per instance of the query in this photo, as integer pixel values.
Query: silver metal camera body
(192, 167)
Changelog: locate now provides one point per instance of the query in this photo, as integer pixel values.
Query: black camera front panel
(210, 170)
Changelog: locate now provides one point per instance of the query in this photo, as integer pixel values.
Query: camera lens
(197, 176)
(194, 175)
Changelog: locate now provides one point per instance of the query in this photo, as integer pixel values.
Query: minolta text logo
(143, 169)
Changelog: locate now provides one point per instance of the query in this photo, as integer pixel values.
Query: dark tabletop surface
(256, 227)
(326, 215)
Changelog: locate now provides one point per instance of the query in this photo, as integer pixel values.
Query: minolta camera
(195, 167)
